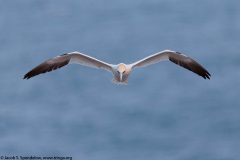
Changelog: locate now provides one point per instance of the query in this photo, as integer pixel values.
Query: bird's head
(121, 69)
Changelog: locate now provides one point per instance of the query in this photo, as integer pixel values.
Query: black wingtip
(206, 75)
(45, 67)
(26, 76)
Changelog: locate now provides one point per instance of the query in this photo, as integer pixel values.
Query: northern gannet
(120, 71)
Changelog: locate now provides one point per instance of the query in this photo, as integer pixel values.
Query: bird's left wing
(175, 57)
(60, 61)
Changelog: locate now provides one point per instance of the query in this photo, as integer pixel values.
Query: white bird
(120, 71)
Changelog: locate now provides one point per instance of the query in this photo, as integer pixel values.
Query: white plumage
(120, 71)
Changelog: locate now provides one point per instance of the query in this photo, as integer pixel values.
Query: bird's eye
(123, 71)
(118, 72)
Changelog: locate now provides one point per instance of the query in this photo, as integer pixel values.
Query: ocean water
(165, 112)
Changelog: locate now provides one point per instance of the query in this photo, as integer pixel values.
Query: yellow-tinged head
(121, 68)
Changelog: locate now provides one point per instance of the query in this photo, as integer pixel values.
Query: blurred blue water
(165, 112)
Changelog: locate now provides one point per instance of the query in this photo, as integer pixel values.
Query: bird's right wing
(60, 61)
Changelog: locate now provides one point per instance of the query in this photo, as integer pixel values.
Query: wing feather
(177, 58)
(60, 61)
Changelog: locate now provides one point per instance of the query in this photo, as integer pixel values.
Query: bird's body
(120, 71)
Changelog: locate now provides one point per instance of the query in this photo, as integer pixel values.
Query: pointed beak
(121, 77)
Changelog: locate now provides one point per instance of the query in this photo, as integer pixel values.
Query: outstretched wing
(60, 61)
(175, 57)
